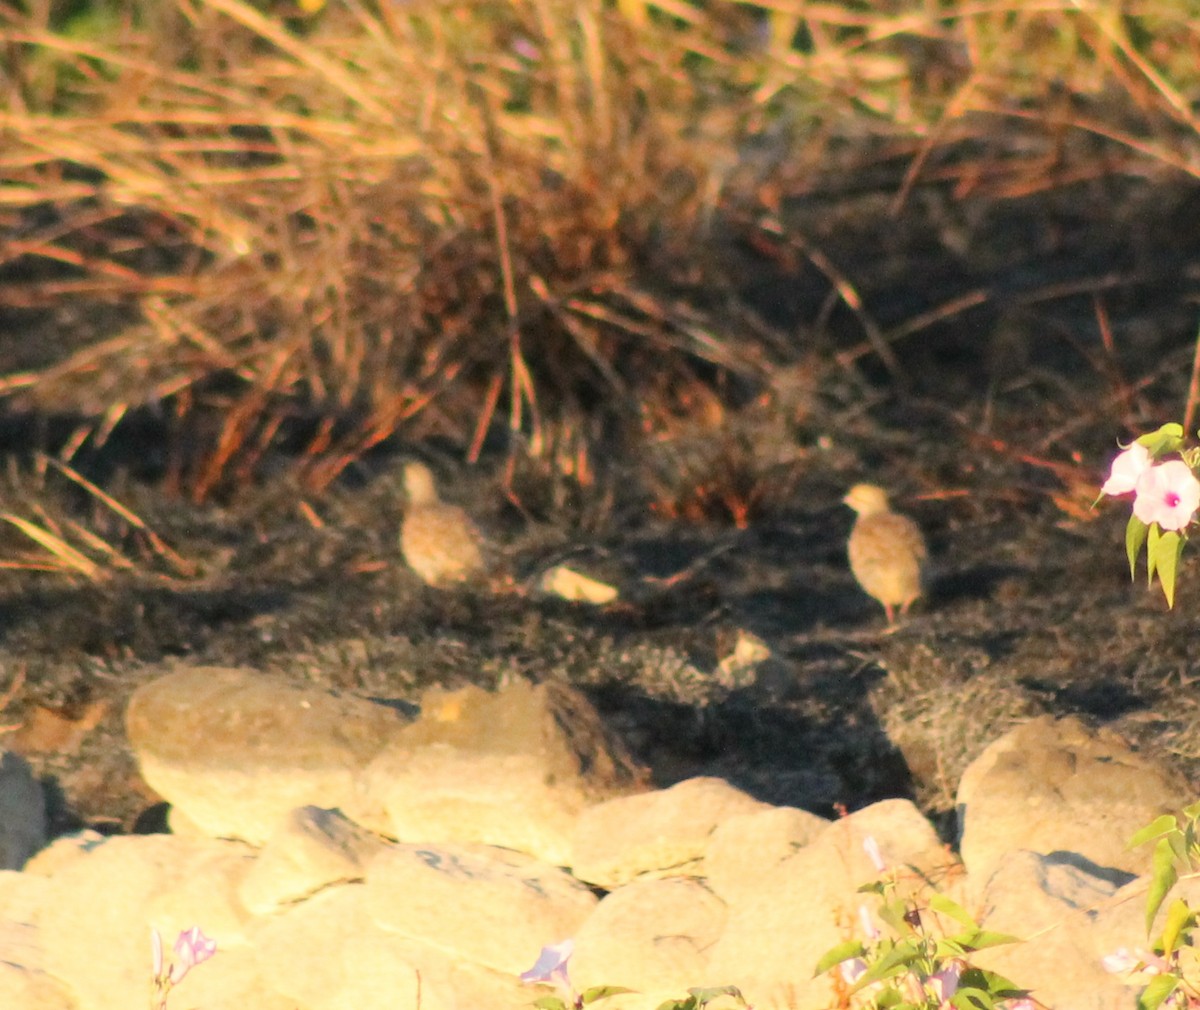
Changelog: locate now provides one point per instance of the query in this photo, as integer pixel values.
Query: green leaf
(1155, 829)
(990, 981)
(550, 1003)
(1153, 535)
(972, 940)
(1135, 537)
(842, 952)
(602, 992)
(1168, 438)
(940, 903)
(1162, 879)
(678, 1004)
(893, 914)
(970, 998)
(1179, 917)
(1192, 813)
(709, 993)
(1166, 553)
(1160, 987)
(892, 963)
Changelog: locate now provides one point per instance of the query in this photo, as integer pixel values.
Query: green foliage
(923, 965)
(697, 999)
(1173, 959)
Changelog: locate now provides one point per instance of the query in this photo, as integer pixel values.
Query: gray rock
(22, 812)
(745, 850)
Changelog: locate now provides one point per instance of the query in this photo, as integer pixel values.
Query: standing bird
(887, 551)
(439, 541)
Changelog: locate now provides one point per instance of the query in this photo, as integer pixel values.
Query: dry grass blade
(66, 557)
(159, 546)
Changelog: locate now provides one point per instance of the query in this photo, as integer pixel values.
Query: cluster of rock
(347, 856)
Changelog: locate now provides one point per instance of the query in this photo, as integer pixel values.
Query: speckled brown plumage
(887, 552)
(439, 541)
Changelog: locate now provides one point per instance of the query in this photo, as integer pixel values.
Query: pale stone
(23, 988)
(512, 768)
(662, 833)
(747, 848)
(1056, 786)
(650, 935)
(1054, 904)
(777, 932)
(487, 905)
(310, 850)
(94, 924)
(235, 750)
(364, 967)
(22, 811)
(64, 851)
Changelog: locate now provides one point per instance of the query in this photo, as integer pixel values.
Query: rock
(1056, 786)
(95, 920)
(665, 832)
(1054, 903)
(22, 812)
(24, 988)
(365, 967)
(235, 750)
(512, 768)
(487, 905)
(746, 849)
(776, 932)
(310, 850)
(24, 982)
(653, 936)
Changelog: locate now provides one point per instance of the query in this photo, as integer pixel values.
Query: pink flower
(944, 984)
(192, 948)
(156, 953)
(867, 923)
(1167, 494)
(1126, 469)
(551, 965)
(852, 970)
(1124, 960)
(871, 848)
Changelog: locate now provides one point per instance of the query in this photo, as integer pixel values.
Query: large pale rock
(1056, 786)
(23, 988)
(95, 920)
(310, 850)
(492, 906)
(512, 767)
(776, 932)
(654, 936)
(235, 750)
(364, 967)
(662, 833)
(24, 982)
(1057, 904)
(22, 811)
(747, 848)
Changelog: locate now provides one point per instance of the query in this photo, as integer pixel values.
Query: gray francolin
(887, 551)
(438, 540)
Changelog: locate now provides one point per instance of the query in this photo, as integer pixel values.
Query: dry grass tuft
(441, 219)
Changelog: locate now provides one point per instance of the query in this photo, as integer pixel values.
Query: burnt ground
(993, 428)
